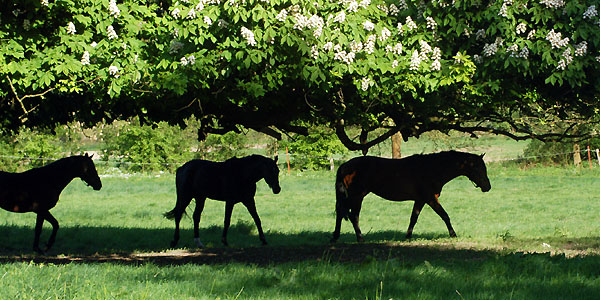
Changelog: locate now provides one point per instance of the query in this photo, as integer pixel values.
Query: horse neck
(62, 172)
(255, 171)
(450, 169)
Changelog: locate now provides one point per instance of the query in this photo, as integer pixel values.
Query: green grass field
(535, 235)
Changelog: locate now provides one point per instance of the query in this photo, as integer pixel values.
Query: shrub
(314, 150)
(145, 147)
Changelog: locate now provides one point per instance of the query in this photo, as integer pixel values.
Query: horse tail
(341, 192)
(178, 210)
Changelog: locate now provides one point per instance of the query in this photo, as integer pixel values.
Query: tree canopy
(526, 69)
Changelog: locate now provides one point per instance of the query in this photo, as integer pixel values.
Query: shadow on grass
(139, 245)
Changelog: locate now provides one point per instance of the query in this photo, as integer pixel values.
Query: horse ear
(276, 158)
(482, 154)
(86, 155)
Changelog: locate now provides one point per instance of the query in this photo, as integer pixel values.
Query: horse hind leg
(354, 216)
(50, 218)
(176, 214)
(437, 207)
(197, 214)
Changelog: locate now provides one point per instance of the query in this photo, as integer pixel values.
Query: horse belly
(395, 195)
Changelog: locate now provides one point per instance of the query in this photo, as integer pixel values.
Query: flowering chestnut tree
(526, 69)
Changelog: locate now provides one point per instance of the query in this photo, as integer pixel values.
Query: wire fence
(586, 154)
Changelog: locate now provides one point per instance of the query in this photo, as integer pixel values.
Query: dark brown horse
(232, 181)
(37, 190)
(418, 177)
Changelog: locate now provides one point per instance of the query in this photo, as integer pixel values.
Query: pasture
(536, 234)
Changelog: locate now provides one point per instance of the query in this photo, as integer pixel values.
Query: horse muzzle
(276, 189)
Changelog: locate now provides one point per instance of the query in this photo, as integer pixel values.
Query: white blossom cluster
(521, 28)
(45, 2)
(431, 23)
(385, 34)
(391, 10)
(71, 28)
(207, 20)
(352, 6)
(590, 12)
(491, 49)
(190, 60)
(342, 55)
(314, 51)
(598, 59)
(113, 71)
(368, 25)
(566, 60)
(514, 51)
(531, 34)
(394, 63)
(553, 3)
(436, 65)
(356, 46)
(504, 8)
(282, 15)
(415, 61)
(556, 40)
(364, 3)
(26, 24)
(301, 21)
(316, 23)
(425, 49)
(113, 9)
(249, 36)
(110, 31)
(410, 24)
(191, 14)
(370, 44)
(176, 13)
(365, 83)
(340, 17)
(85, 59)
(581, 49)
(328, 46)
(396, 49)
(402, 4)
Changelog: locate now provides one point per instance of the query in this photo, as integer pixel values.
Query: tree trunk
(576, 155)
(396, 145)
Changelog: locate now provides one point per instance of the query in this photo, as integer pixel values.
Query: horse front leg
(437, 207)
(50, 218)
(417, 207)
(227, 221)
(251, 206)
(197, 213)
(39, 221)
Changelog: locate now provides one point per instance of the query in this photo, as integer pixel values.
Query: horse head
(476, 171)
(271, 174)
(88, 172)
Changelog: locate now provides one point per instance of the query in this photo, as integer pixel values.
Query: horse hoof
(453, 235)
(360, 240)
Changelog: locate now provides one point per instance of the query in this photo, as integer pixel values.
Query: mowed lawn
(535, 235)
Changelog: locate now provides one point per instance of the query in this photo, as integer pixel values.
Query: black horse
(232, 181)
(37, 190)
(418, 177)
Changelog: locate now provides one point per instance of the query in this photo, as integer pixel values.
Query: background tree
(526, 69)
